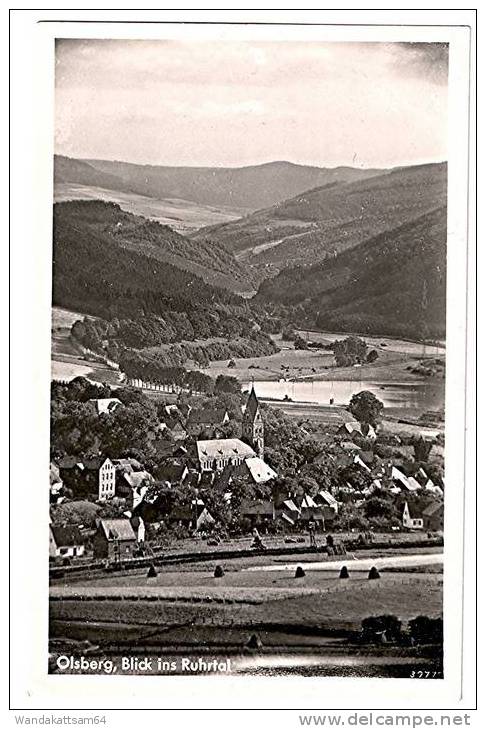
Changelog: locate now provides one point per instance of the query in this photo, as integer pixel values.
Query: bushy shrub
(426, 630)
(344, 574)
(152, 572)
(299, 572)
(218, 572)
(381, 626)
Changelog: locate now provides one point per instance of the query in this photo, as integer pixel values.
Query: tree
(349, 351)
(300, 343)
(366, 407)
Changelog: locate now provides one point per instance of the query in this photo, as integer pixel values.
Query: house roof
(223, 448)
(363, 429)
(252, 404)
(206, 416)
(259, 470)
(414, 510)
(117, 529)
(397, 475)
(328, 498)
(127, 464)
(105, 404)
(308, 502)
(135, 480)
(291, 506)
(94, 463)
(172, 472)
(67, 536)
(413, 484)
(262, 508)
(433, 508)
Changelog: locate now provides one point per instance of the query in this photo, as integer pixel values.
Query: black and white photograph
(254, 245)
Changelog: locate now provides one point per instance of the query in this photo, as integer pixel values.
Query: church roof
(223, 448)
(252, 404)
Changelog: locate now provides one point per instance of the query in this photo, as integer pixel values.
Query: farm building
(433, 516)
(412, 517)
(114, 539)
(90, 476)
(65, 541)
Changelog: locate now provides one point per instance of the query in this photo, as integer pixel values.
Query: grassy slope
(181, 215)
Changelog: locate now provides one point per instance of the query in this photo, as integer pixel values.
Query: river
(421, 395)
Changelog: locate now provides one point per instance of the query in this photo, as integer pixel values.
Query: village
(217, 477)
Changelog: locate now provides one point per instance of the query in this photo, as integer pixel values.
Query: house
(206, 419)
(258, 511)
(257, 470)
(55, 482)
(214, 455)
(114, 539)
(433, 516)
(65, 541)
(353, 429)
(328, 503)
(311, 511)
(105, 405)
(289, 511)
(172, 473)
(412, 516)
(90, 476)
(195, 517)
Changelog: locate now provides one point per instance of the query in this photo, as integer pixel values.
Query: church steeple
(252, 428)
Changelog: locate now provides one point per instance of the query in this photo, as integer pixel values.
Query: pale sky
(241, 103)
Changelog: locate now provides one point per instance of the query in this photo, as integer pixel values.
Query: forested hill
(249, 187)
(394, 283)
(94, 274)
(108, 221)
(328, 219)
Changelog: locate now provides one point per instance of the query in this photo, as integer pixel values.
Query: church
(218, 454)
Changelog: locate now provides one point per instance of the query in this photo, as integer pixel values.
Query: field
(190, 610)
(67, 359)
(181, 215)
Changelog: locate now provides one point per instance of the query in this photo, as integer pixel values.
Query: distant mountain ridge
(251, 187)
(328, 219)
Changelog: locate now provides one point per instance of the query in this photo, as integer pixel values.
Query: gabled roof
(252, 404)
(308, 502)
(206, 416)
(262, 508)
(223, 448)
(136, 479)
(363, 429)
(172, 472)
(259, 470)
(105, 404)
(328, 498)
(433, 508)
(291, 506)
(67, 536)
(94, 463)
(414, 510)
(117, 529)
(413, 484)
